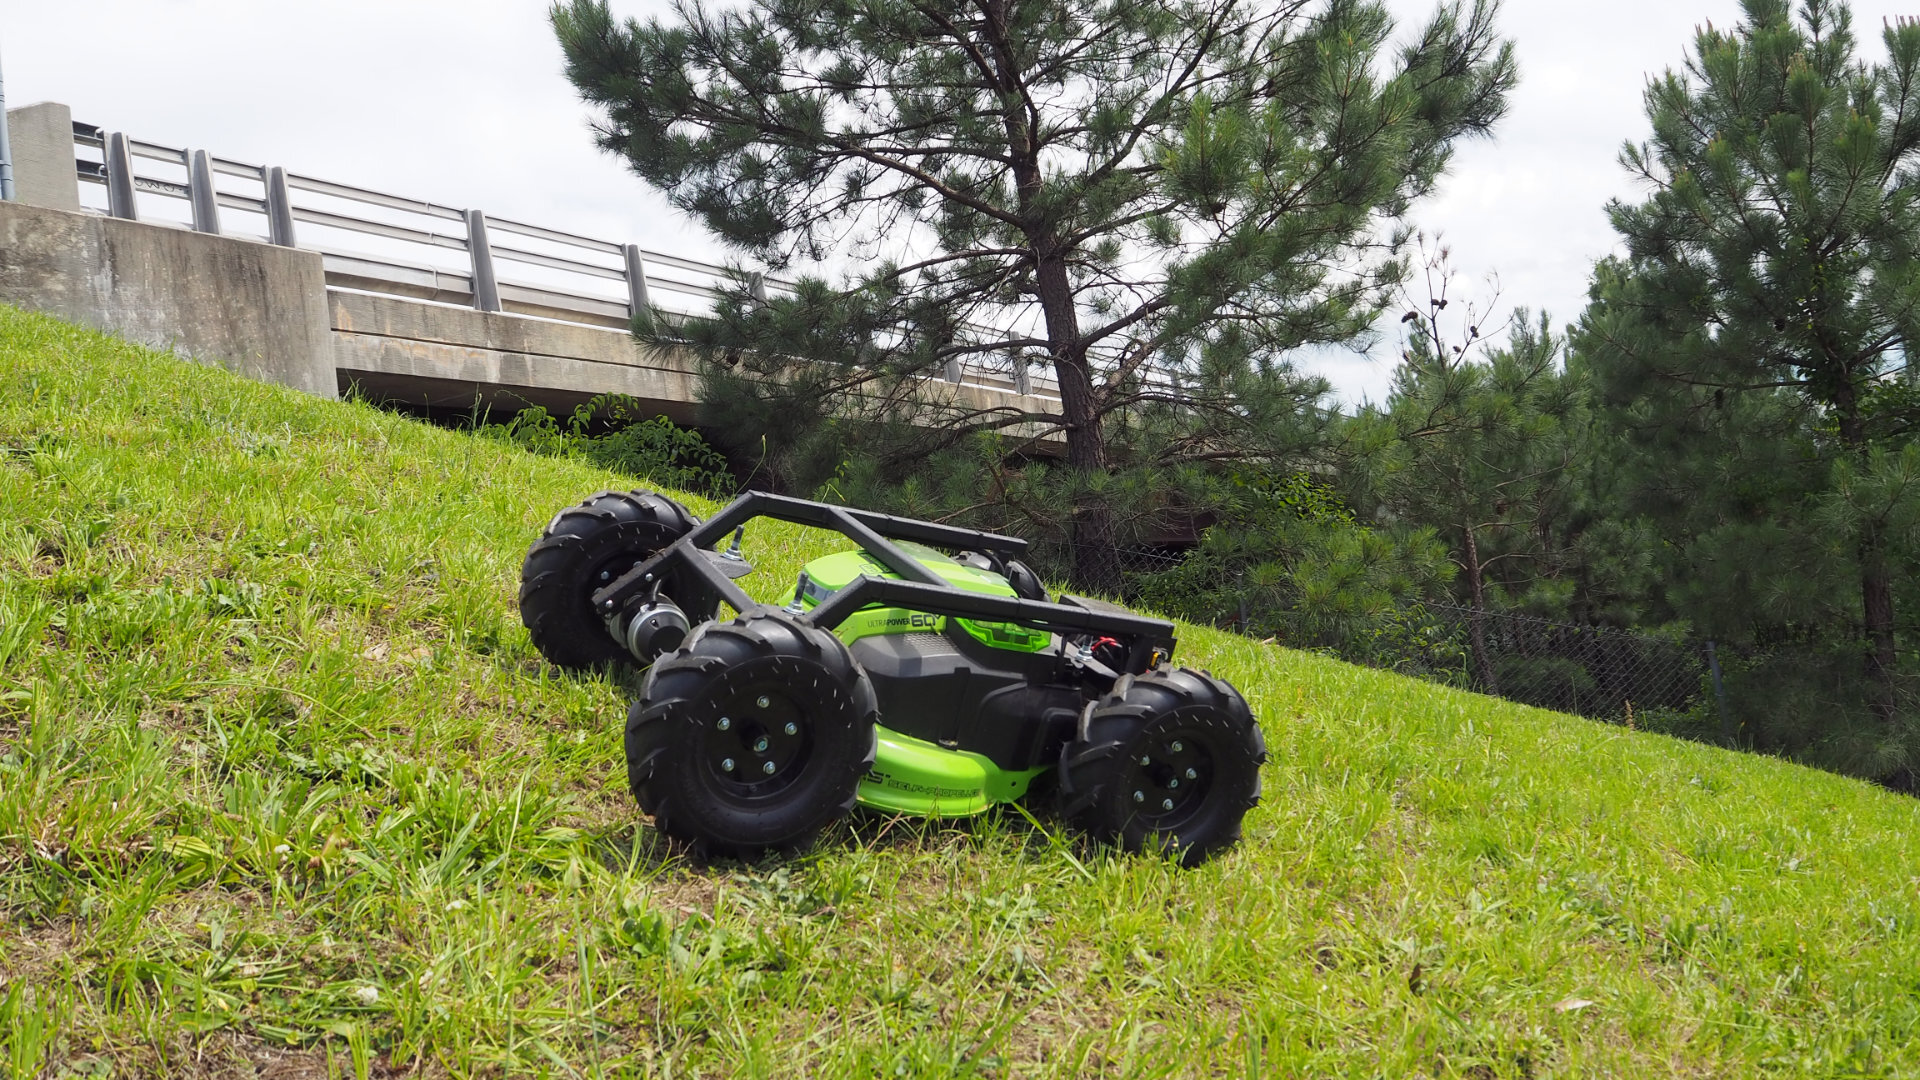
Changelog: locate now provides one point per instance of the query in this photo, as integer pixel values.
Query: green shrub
(611, 431)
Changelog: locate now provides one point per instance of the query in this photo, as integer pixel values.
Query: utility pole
(6, 148)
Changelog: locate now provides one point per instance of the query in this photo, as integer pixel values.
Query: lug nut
(1171, 784)
(1177, 747)
(1139, 796)
(762, 701)
(1145, 760)
(724, 724)
(1191, 775)
(726, 764)
(760, 745)
(606, 575)
(1166, 804)
(792, 728)
(767, 768)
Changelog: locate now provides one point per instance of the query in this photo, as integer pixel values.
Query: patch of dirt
(689, 891)
(289, 1064)
(29, 954)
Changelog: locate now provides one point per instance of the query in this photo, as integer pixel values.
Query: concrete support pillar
(41, 136)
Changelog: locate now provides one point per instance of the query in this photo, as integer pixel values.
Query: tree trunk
(1876, 605)
(1477, 619)
(1096, 558)
(1876, 577)
(1096, 564)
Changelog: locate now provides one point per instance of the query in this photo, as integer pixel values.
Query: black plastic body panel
(949, 689)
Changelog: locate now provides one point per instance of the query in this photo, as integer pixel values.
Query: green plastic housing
(909, 775)
(912, 776)
(830, 573)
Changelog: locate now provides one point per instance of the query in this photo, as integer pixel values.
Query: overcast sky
(462, 102)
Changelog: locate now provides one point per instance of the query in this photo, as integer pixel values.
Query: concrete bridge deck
(323, 320)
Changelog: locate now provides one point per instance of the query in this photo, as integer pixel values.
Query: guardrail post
(200, 190)
(638, 304)
(119, 157)
(279, 208)
(486, 289)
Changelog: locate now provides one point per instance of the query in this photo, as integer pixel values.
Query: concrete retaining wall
(254, 308)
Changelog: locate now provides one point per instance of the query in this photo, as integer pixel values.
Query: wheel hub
(1168, 781)
(758, 744)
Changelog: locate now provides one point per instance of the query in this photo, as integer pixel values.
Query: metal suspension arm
(1147, 634)
(873, 532)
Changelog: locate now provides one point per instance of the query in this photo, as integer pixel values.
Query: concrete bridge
(325, 286)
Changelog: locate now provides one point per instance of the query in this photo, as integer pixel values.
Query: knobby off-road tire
(583, 548)
(752, 737)
(1167, 759)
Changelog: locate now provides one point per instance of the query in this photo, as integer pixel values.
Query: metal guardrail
(371, 241)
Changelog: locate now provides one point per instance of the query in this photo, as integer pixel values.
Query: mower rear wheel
(752, 737)
(1167, 759)
(583, 548)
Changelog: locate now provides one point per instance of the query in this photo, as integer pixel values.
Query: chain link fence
(1592, 671)
(1598, 672)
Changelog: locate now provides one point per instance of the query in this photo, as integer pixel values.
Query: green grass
(284, 789)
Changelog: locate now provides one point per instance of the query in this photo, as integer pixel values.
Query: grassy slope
(282, 783)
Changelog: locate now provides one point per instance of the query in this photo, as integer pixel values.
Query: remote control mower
(924, 672)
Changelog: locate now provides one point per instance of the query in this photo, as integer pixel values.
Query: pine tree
(1484, 451)
(1099, 189)
(1751, 343)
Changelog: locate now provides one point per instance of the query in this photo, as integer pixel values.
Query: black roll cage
(921, 589)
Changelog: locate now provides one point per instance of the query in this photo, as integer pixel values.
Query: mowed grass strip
(284, 790)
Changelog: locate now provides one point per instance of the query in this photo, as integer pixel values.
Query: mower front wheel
(583, 548)
(752, 737)
(1166, 759)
